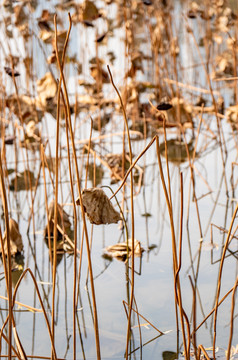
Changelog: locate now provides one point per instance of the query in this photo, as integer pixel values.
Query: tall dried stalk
(68, 119)
(8, 275)
(132, 214)
(178, 294)
(228, 239)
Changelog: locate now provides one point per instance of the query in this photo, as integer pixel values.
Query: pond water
(177, 54)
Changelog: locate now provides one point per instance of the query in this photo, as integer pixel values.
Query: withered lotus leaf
(62, 218)
(16, 245)
(120, 250)
(11, 72)
(164, 106)
(98, 207)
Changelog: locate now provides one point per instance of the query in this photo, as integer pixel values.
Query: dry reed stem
(55, 213)
(133, 165)
(136, 311)
(68, 118)
(30, 308)
(190, 87)
(201, 349)
(8, 275)
(132, 214)
(178, 294)
(220, 275)
(194, 312)
(41, 303)
(46, 203)
(106, 136)
(13, 349)
(89, 148)
(75, 225)
(70, 175)
(232, 319)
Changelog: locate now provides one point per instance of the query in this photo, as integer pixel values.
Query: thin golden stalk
(46, 204)
(75, 227)
(133, 165)
(136, 311)
(220, 275)
(211, 312)
(232, 319)
(202, 350)
(175, 261)
(41, 303)
(68, 118)
(132, 214)
(9, 266)
(30, 308)
(55, 212)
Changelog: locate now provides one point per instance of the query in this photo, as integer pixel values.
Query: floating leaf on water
(179, 111)
(9, 140)
(17, 264)
(62, 219)
(10, 72)
(115, 163)
(232, 113)
(99, 74)
(147, 2)
(28, 107)
(52, 58)
(164, 106)
(98, 207)
(90, 11)
(88, 23)
(169, 355)
(120, 250)
(46, 88)
(191, 14)
(176, 150)
(95, 173)
(22, 180)
(152, 247)
(146, 214)
(32, 131)
(44, 25)
(107, 257)
(16, 245)
(100, 38)
(21, 17)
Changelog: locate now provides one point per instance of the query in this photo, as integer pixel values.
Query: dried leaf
(46, 88)
(90, 11)
(100, 38)
(164, 106)
(22, 180)
(16, 244)
(9, 140)
(147, 2)
(98, 207)
(176, 150)
(120, 250)
(10, 72)
(32, 131)
(62, 219)
(28, 107)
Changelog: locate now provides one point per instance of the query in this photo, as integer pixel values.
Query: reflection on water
(175, 65)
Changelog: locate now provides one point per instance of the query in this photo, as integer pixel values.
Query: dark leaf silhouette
(98, 207)
(10, 72)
